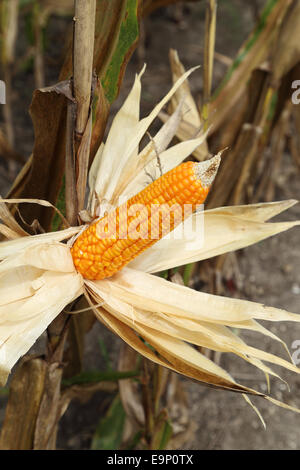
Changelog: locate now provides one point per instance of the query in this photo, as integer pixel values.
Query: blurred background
(268, 273)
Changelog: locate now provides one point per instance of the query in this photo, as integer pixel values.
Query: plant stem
(209, 50)
(84, 29)
(83, 51)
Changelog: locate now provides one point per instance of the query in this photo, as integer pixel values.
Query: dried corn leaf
(36, 285)
(190, 126)
(138, 288)
(10, 221)
(174, 354)
(238, 231)
(27, 387)
(12, 247)
(287, 51)
(169, 159)
(119, 153)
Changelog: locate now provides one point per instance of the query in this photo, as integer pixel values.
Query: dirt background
(268, 272)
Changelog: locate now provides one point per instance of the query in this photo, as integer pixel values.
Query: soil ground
(269, 271)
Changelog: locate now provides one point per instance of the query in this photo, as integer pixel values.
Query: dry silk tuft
(110, 243)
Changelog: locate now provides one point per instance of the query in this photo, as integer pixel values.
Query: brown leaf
(25, 394)
(42, 177)
(47, 419)
(287, 51)
(46, 426)
(246, 142)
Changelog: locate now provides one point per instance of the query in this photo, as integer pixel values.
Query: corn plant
(64, 268)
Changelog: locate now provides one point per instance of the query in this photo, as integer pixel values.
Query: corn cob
(108, 244)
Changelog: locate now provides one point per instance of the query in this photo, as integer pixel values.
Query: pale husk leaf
(13, 246)
(190, 110)
(16, 284)
(169, 159)
(260, 212)
(8, 232)
(140, 289)
(201, 332)
(187, 131)
(190, 125)
(223, 231)
(120, 136)
(48, 256)
(215, 337)
(157, 144)
(128, 335)
(23, 321)
(10, 221)
(121, 147)
(180, 356)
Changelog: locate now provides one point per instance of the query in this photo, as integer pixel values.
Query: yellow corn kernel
(114, 246)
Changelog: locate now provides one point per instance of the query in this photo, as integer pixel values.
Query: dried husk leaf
(14, 246)
(10, 221)
(169, 159)
(190, 110)
(50, 257)
(115, 159)
(259, 212)
(191, 122)
(240, 227)
(175, 355)
(36, 285)
(139, 289)
(157, 145)
(215, 337)
(8, 233)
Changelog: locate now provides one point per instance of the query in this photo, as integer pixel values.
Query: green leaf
(163, 274)
(188, 270)
(134, 441)
(108, 435)
(61, 206)
(4, 391)
(94, 376)
(128, 36)
(163, 431)
(166, 434)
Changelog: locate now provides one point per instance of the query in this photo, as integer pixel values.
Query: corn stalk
(9, 10)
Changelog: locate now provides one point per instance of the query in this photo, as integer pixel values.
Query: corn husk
(224, 229)
(35, 286)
